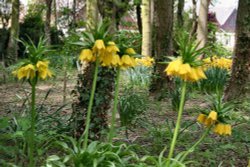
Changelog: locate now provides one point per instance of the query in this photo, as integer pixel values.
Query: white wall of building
(226, 38)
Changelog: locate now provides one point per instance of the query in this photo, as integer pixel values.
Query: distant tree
(202, 23)
(113, 10)
(180, 10)
(163, 45)
(194, 18)
(241, 61)
(12, 55)
(146, 27)
(74, 13)
(55, 12)
(91, 13)
(48, 20)
(137, 4)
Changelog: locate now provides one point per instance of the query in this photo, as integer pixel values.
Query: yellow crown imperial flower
(99, 46)
(116, 61)
(184, 71)
(112, 48)
(130, 51)
(213, 115)
(87, 55)
(106, 59)
(43, 70)
(145, 61)
(174, 67)
(27, 71)
(127, 61)
(201, 118)
(196, 74)
(211, 119)
(223, 129)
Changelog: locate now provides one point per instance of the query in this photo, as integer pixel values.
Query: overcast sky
(224, 3)
(222, 8)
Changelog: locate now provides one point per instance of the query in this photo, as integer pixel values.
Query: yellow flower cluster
(184, 71)
(215, 61)
(212, 119)
(43, 69)
(108, 55)
(29, 71)
(145, 61)
(223, 129)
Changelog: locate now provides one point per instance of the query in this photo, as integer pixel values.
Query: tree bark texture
(47, 21)
(202, 23)
(239, 80)
(146, 28)
(180, 9)
(194, 25)
(55, 13)
(12, 54)
(113, 11)
(139, 19)
(163, 46)
(91, 13)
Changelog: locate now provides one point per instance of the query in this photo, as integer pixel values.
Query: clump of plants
(189, 68)
(33, 69)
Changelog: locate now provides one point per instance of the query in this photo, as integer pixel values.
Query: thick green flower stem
(32, 132)
(205, 133)
(86, 131)
(178, 122)
(112, 129)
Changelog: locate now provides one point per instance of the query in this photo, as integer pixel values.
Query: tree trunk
(237, 86)
(180, 9)
(74, 13)
(202, 23)
(139, 19)
(195, 24)
(91, 13)
(146, 28)
(55, 13)
(163, 44)
(11, 56)
(47, 21)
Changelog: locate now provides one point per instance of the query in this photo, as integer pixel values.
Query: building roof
(230, 23)
(226, 18)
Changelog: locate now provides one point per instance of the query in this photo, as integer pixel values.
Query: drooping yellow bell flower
(27, 71)
(202, 118)
(112, 48)
(130, 51)
(211, 118)
(116, 61)
(99, 46)
(184, 71)
(43, 69)
(127, 61)
(213, 115)
(145, 61)
(174, 67)
(222, 129)
(106, 58)
(87, 55)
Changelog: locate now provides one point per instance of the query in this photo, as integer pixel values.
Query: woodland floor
(231, 151)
